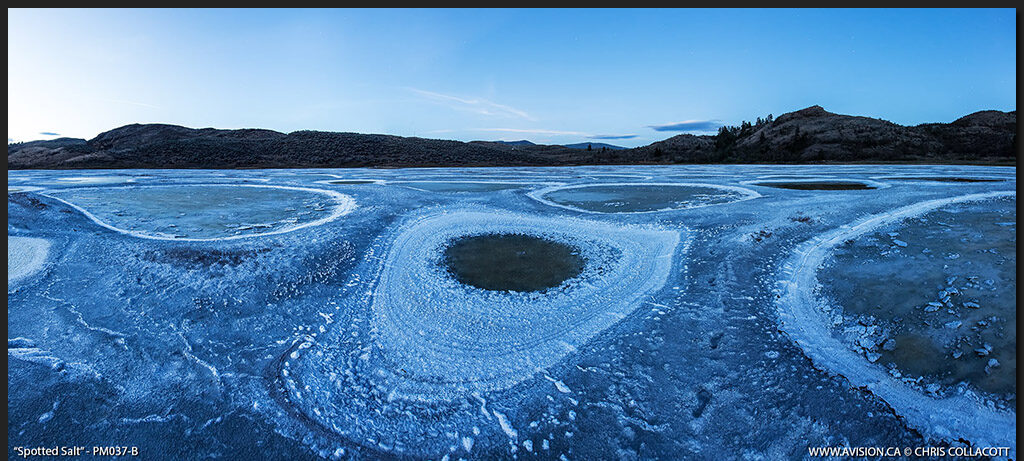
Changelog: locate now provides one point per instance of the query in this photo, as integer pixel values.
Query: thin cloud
(533, 131)
(689, 125)
(612, 136)
(479, 106)
(49, 133)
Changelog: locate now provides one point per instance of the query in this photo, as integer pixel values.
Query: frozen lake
(628, 312)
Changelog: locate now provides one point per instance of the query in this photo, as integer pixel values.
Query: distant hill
(579, 145)
(521, 142)
(594, 145)
(811, 135)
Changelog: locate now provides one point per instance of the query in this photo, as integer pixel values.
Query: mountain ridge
(810, 135)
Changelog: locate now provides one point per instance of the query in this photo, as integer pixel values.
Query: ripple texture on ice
(444, 336)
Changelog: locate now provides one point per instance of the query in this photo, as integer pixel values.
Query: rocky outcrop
(815, 135)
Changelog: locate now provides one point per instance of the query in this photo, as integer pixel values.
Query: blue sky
(625, 77)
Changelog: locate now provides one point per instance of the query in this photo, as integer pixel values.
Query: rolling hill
(811, 135)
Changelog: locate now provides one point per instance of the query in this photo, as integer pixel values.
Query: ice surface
(346, 337)
(354, 181)
(806, 318)
(25, 256)
(208, 211)
(459, 186)
(811, 184)
(954, 297)
(640, 197)
(944, 179)
(22, 188)
(94, 179)
(444, 340)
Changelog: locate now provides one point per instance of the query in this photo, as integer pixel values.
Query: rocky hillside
(814, 135)
(811, 135)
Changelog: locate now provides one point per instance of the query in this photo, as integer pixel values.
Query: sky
(623, 77)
